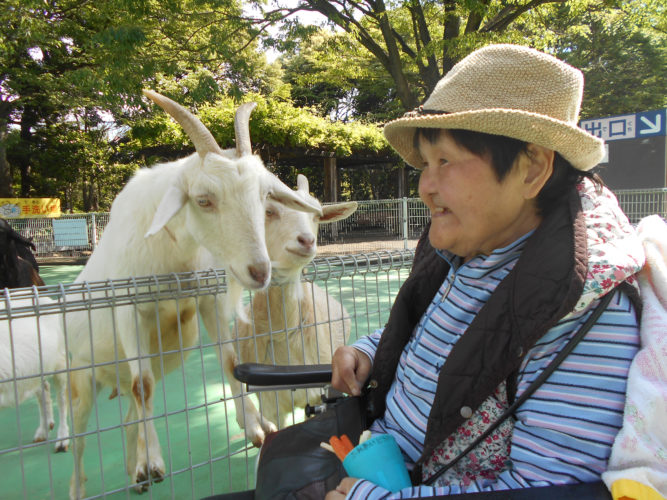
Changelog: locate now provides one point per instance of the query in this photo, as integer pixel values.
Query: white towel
(640, 449)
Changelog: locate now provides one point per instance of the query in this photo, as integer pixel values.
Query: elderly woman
(523, 244)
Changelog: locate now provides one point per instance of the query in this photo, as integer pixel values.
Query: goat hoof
(140, 488)
(61, 447)
(39, 439)
(258, 441)
(144, 477)
(157, 475)
(141, 482)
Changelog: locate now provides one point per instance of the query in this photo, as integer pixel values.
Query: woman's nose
(425, 179)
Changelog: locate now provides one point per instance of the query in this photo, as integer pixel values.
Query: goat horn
(242, 128)
(200, 136)
(302, 183)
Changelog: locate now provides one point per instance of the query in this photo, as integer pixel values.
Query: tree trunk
(24, 149)
(6, 190)
(395, 66)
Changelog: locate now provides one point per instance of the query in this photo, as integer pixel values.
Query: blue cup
(380, 461)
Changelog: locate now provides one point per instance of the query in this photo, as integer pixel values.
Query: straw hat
(507, 90)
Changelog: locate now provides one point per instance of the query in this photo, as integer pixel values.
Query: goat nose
(259, 272)
(306, 241)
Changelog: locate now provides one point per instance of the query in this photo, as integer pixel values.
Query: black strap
(592, 319)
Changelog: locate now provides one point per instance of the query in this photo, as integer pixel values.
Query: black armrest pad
(260, 374)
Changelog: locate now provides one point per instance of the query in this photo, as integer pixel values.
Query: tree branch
(506, 16)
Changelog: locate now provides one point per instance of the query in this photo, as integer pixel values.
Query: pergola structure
(331, 165)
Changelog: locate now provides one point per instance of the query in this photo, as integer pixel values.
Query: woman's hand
(350, 369)
(342, 489)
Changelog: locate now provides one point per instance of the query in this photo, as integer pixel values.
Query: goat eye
(204, 202)
(272, 213)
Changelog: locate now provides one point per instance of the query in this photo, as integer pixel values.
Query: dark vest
(544, 286)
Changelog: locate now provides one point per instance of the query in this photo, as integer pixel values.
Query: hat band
(419, 111)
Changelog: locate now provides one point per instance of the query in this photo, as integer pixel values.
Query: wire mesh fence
(377, 224)
(639, 203)
(80, 331)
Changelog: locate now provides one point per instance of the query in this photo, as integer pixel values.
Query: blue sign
(636, 125)
(651, 123)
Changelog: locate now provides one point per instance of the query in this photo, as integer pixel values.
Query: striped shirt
(564, 432)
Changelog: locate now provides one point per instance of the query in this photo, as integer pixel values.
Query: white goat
(293, 322)
(205, 210)
(32, 351)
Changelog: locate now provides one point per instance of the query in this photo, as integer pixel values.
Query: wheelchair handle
(258, 374)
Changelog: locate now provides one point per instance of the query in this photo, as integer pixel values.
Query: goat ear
(282, 194)
(339, 211)
(172, 201)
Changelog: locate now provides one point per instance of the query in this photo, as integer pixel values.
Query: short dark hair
(502, 151)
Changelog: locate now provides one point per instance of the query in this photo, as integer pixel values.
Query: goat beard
(234, 304)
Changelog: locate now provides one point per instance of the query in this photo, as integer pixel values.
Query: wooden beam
(330, 180)
(402, 181)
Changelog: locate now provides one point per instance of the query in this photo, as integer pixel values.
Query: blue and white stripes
(564, 432)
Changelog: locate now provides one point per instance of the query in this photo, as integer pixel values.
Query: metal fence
(205, 451)
(639, 203)
(375, 225)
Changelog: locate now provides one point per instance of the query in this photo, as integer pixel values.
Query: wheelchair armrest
(257, 374)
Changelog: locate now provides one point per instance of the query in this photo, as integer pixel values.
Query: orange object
(341, 445)
(339, 448)
(347, 443)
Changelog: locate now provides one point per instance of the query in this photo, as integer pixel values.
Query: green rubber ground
(203, 446)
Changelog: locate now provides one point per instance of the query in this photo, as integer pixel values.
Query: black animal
(18, 267)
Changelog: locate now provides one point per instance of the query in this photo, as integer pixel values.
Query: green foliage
(74, 124)
(622, 53)
(620, 45)
(69, 58)
(274, 122)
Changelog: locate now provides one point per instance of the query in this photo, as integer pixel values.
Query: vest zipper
(445, 293)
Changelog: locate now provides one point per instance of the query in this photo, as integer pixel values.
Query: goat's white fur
(203, 211)
(32, 351)
(293, 322)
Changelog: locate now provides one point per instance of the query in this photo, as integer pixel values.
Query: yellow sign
(12, 208)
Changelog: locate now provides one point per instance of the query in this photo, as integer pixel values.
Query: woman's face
(472, 213)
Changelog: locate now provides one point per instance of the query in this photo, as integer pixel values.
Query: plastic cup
(380, 461)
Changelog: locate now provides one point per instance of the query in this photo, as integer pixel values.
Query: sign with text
(12, 208)
(632, 126)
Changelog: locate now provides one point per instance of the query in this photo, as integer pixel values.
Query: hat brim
(581, 149)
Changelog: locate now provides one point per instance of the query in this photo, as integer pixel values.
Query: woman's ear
(538, 165)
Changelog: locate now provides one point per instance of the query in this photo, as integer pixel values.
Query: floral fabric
(488, 459)
(615, 253)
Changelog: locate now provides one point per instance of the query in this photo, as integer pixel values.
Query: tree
(418, 42)
(333, 73)
(61, 57)
(622, 53)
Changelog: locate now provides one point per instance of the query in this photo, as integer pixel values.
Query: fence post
(93, 233)
(405, 223)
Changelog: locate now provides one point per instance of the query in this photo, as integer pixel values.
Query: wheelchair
(257, 376)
